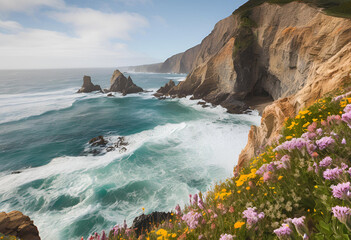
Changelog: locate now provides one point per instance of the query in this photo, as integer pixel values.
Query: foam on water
(78, 194)
(14, 107)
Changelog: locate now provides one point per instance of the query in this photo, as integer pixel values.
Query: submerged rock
(98, 141)
(144, 222)
(100, 145)
(119, 83)
(18, 225)
(88, 86)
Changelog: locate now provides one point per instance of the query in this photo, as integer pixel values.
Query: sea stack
(88, 86)
(119, 83)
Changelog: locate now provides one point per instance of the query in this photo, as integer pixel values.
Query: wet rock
(164, 91)
(201, 103)
(16, 172)
(144, 222)
(19, 225)
(88, 86)
(110, 95)
(98, 141)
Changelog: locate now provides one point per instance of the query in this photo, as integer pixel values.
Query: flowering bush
(297, 188)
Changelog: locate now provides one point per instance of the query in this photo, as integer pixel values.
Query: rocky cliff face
(294, 53)
(18, 225)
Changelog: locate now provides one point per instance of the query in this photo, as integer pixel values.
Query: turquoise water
(175, 148)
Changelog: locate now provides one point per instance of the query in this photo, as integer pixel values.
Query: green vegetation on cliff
(339, 8)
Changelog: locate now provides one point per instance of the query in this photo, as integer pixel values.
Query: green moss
(339, 8)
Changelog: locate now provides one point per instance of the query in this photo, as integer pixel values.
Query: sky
(39, 34)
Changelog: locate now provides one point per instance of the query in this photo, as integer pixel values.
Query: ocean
(49, 171)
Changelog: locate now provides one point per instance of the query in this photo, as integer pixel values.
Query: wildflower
(342, 214)
(283, 232)
(231, 209)
(314, 155)
(347, 108)
(346, 117)
(331, 174)
(326, 162)
(226, 237)
(300, 225)
(103, 237)
(201, 204)
(252, 216)
(343, 141)
(312, 126)
(280, 178)
(196, 198)
(341, 191)
(267, 176)
(238, 224)
(324, 142)
(178, 210)
(162, 232)
(192, 219)
(319, 131)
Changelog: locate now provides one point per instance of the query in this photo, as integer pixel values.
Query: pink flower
(283, 232)
(226, 237)
(267, 176)
(331, 174)
(324, 142)
(252, 216)
(326, 162)
(341, 191)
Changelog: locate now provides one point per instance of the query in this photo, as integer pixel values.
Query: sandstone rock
(19, 225)
(88, 86)
(144, 222)
(164, 91)
(119, 83)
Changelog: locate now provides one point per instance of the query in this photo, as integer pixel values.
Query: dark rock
(19, 225)
(88, 86)
(144, 222)
(98, 141)
(110, 95)
(119, 83)
(166, 88)
(16, 172)
(201, 103)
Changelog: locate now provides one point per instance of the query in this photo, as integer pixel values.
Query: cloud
(90, 23)
(28, 5)
(134, 2)
(95, 43)
(10, 25)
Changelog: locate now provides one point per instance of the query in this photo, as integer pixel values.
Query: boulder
(119, 83)
(18, 225)
(88, 86)
(144, 222)
(98, 141)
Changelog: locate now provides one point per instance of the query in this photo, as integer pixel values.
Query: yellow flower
(280, 178)
(247, 188)
(238, 224)
(288, 137)
(239, 192)
(143, 209)
(174, 235)
(314, 119)
(316, 186)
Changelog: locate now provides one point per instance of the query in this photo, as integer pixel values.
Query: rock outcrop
(18, 225)
(88, 86)
(119, 83)
(292, 53)
(164, 91)
(144, 222)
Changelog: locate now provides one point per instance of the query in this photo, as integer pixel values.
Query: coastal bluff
(16, 224)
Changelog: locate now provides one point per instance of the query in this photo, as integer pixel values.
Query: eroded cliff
(294, 53)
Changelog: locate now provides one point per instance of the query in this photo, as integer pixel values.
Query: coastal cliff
(293, 53)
